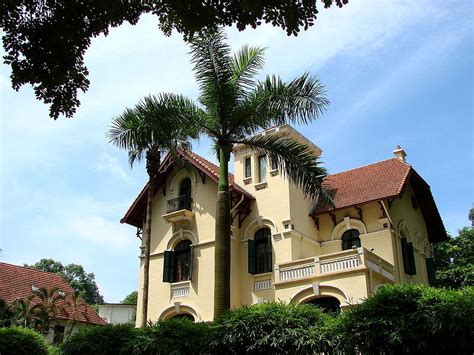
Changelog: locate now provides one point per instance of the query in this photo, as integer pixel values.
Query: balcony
(180, 289)
(334, 263)
(179, 209)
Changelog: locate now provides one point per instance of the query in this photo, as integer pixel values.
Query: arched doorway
(184, 316)
(327, 304)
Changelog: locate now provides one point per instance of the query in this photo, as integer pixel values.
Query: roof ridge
(368, 165)
(33, 269)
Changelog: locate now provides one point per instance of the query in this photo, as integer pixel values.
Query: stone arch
(257, 224)
(345, 225)
(403, 230)
(180, 176)
(180, 235)
(321, 290)
(179, 309)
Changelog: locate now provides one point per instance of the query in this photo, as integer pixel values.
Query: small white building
(116, 313)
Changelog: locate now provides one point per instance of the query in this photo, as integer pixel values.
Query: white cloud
(110, 164)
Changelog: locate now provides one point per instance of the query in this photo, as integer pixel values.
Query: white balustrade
(340, 264)
(296, 272)
(260, 285)
(179, 291)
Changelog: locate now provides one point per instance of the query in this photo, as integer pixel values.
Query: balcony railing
(348, 260)
(179, 203)
(180, 290)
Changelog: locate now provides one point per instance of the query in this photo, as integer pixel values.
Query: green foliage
(22, 341)
(410, 319)
(101, 340)
(45, 41)
(76, 276)
(273, 328)
(173, 336)
(131, 298)
(454, 260)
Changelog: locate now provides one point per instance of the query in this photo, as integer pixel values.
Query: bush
(176, 336)
(100, 340)
(410, 319)
(21, 341)
(273, 327)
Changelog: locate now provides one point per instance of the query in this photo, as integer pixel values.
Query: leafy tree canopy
(76, 276)
(45, 40)
(131, 298)
(454, 260)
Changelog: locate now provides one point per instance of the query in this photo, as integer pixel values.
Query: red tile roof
(211, 170)
(373, 182)
(17, 281)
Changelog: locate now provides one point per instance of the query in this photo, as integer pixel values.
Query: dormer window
(262, 168)
(247, 168)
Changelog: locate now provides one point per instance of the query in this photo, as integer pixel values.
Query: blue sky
(395, 72)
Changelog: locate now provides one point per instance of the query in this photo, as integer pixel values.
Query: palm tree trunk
(222, 243)
(147, 244)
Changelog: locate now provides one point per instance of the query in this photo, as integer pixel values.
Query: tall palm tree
(233, 107)
(149, 130)
(24, 310)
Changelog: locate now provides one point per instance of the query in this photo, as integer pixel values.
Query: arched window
(184, 316)
(178, 263)
(185, 194)
(260, 252)
(350, 239)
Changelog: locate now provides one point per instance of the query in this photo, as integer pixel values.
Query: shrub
(176, 336)
(272, 327)
(21, 341)
(410, 319)
(100, 340)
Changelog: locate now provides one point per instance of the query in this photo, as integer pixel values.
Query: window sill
(274, 172)
(247, 180)
(261, 185)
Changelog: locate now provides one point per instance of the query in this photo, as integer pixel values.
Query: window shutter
(411, 259)
(191, 259)
(406, 262)
(168, 267)
(430, 270)
(252, 262)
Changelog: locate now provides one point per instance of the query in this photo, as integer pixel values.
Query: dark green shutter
(191, 256)
(168, 267)
(430, 270)
(411, 259)
(252, 264)
(406, 262)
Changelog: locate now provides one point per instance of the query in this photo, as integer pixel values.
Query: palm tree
(149, 130)
(74, 306)
(233, 107)
(49, 306)
(24, 310)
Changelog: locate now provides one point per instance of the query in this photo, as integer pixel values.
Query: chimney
(400, 153)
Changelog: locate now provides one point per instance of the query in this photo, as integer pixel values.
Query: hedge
(410, 319)
(397, 319)
(22, 341)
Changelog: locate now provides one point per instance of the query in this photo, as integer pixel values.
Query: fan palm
(233, 107)
(148, 131)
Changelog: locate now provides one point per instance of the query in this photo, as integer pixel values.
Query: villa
(284, 246)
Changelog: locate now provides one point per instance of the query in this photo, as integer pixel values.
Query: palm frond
(213, 72)
(274, 102)
(295, 161)
(245, 66)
